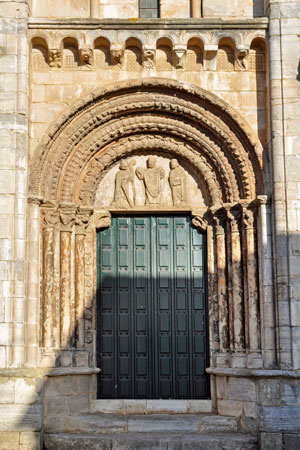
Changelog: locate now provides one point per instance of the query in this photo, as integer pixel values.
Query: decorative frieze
(151, 49)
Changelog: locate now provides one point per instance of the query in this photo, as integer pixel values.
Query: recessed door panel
(151, 303)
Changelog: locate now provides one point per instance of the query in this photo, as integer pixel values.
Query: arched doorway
(135, 120)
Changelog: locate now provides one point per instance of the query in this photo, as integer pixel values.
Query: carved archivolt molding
(116, 120)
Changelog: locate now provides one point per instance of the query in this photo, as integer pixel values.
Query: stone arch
(141, 117)
(196, 117)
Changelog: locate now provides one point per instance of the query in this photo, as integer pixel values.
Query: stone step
(150, 441)
(151, 406)
(110, 423)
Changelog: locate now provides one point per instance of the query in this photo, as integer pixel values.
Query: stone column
(284, 54)
(196, 9)
(222, 359)
(50, 220)
(95, 9)
(33, 282)
(67, 317)
(82, 219)
(254, 357)
(266, 283)
(237, 291)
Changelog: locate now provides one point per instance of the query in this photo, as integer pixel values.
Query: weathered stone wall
(285, 153)
(129, 9)
(13, 181)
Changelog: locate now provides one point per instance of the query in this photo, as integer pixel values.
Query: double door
(151, 303)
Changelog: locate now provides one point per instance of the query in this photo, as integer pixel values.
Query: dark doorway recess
(152, 314)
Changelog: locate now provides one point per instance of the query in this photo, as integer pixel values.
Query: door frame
(201, 228)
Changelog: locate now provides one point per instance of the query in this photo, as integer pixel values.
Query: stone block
(9, 440)
(291, 441)
(230, 408)
(84, 383)
(271, 441)
(7, 390)
(27, 391)
(174, 9)
(78, 403)
(20, 417)
(61, 385)
(81, 359)
(56, 405)
(107, 406)
(242, 389)
(221, 383)
(30, 441)
(161, 406)
(250, 409)
(135, 406)
(269, 392)
(283, 419)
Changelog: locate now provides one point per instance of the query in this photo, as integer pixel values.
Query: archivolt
(209, 135)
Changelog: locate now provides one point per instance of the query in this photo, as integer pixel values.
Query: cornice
(150, 24)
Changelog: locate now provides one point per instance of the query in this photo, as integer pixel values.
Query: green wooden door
(151, 300)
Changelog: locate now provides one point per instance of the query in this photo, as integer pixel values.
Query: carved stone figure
(151, 176)
(177, 180)
(149, 55)
(124, 177)
(55, 58)
(86, 56)
(117, 53)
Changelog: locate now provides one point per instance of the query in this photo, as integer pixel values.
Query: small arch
(164, 55)
(133, 55)
(225, 56)
(71, 60)
(102, 53)
(40, 58)
(257, 56)
(194, 55)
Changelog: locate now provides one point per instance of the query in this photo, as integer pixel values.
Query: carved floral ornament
(154, 115)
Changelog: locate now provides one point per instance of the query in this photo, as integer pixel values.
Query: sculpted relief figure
(177, 180)
(151, 177)
(125, 176)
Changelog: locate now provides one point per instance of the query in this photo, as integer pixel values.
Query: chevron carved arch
(152, 114)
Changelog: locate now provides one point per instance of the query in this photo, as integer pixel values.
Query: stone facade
(87, 88)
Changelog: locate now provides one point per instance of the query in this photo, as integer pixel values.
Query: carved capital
(218, 224)
(82, 220)
(102, 220)
(67, 218)
(180, 52)
(55, 58)
(199, 223)
(148, 57)
(242, 58)
(34, 199)
(50, 217)
(117, 53)
(248, 218)
(233, 219)
(86, 57)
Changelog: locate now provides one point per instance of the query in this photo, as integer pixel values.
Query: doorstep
(151, 406)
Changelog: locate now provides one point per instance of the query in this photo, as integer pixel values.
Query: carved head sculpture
(86, 55)
(117, 54)
(123, 165)
(151, 162)
(173, 164)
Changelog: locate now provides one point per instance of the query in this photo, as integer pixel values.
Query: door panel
(151, 305)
